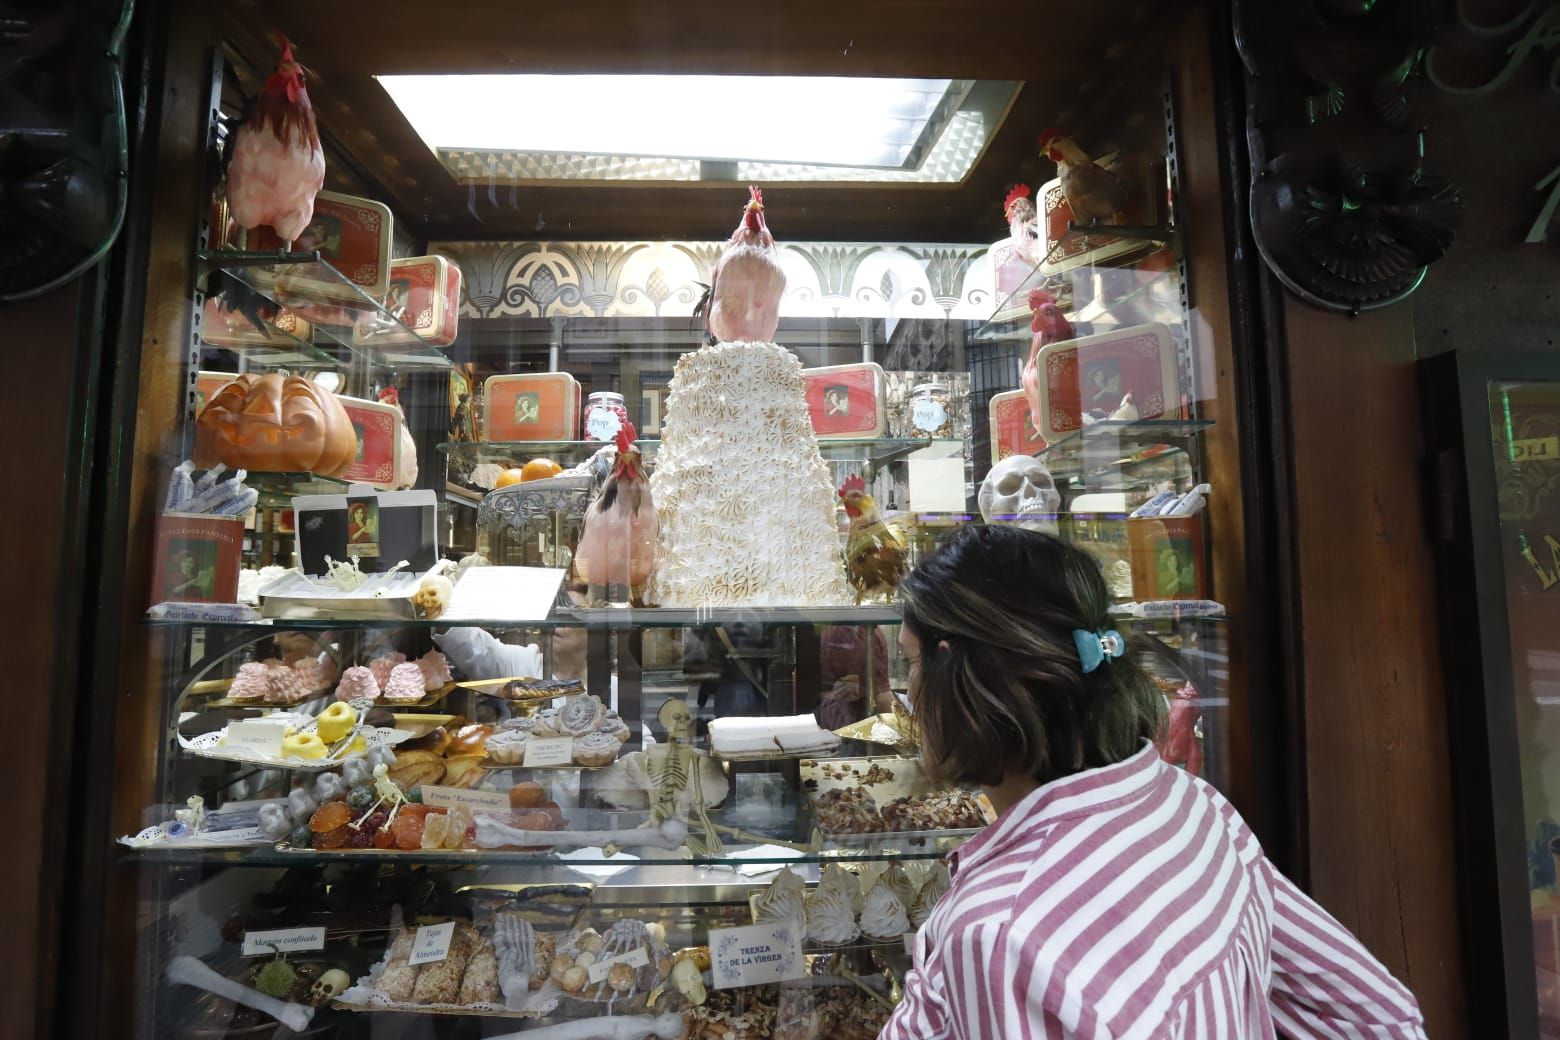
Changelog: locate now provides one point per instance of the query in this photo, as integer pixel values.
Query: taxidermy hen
(1094, 194)
(746, 285)
(277, 166)
(1049, 325)
(875, 558)
(617, 546)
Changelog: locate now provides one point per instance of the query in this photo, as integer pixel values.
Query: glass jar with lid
(930, 415)
(605, 415)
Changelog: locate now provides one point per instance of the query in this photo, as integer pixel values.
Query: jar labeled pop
(605, 415)
(929, 413)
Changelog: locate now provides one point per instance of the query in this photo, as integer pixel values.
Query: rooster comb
(390, 395)
(626, 437)
(855, 483)
(1039, 298)
(1048, 135)
(755, 196)
(1016, 192)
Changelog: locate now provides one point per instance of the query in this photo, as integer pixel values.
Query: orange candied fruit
(384, 838)
(329, 817)
(407, 829)
(332, 839)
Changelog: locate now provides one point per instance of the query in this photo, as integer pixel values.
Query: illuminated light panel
(792, 120)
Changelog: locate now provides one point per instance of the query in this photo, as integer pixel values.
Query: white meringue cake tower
(745, 502)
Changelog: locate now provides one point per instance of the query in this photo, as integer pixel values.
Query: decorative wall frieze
(666, 279)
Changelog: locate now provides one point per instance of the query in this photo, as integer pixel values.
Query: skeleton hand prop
(191, 972)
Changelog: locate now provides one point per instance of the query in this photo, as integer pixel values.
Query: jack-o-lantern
(275, 423)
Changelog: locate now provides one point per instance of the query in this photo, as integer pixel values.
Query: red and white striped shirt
(1133, 901)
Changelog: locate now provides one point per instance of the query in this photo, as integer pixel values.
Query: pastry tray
(209, 745)
(878, 729)
(213, 686)
(906, 781)
(486, 688)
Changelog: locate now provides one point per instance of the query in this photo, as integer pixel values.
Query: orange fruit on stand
(540, 469)
(512, 475)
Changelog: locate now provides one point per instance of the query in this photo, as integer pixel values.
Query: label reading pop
(635, 958)
(929, 416)
(258, 736)
(602, 424)
(432, 943)
(756, 954)
(549, 751)
(476, 801)
(283, 940)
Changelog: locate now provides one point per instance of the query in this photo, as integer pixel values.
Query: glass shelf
(332, 303)
(280, 488)
(1104, 455)
(874, 450)
(1010, 320)
(601, 618)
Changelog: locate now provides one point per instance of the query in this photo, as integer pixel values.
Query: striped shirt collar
(1069, 796)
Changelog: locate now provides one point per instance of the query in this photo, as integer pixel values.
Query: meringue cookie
(830, 918)
(783, 899)
(357, 683)
(884, 917)
(926, 897)
(435, 670)
(405, 683)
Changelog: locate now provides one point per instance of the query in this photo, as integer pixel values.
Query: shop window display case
(431, 754)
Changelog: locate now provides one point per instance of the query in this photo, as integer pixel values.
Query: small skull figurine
(328, 986)
(1019, 490)
(433, 595)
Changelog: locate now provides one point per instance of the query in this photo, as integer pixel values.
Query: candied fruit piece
(382, 838)
(301, 838)
(408, 831)
(360, 798)
(329, 817)
(433, 831)
(460, 820)
(362, 838)
(333, 839)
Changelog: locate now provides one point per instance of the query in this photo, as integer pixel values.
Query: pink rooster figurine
(617, 548)
(1049, 325)
(1019, 210)
(277, 166)
(746, 285)
(406, 469)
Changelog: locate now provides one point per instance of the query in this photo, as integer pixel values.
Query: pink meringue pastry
(406, 683)
(250, 684)
(284, 685)
(357, 683)
(383, 666)
(435, 670)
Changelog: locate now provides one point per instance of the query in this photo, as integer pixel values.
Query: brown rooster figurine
(875, 556)
(1049, 325)
(1094, 194)
(277, 166)
(617, 547)
(746, 285)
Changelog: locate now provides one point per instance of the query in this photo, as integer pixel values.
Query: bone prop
(493, 833)
(614, 1027)
(191, 972)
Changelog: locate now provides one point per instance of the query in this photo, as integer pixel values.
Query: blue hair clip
(1096, 647)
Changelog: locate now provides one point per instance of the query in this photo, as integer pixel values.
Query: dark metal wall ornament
(1343, 209)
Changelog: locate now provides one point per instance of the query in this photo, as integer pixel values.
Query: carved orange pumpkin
(275, 423)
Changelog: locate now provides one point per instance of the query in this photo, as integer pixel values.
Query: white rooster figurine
(277, 166)
(747, 283)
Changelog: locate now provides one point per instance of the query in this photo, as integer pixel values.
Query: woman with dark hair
(1115, 896)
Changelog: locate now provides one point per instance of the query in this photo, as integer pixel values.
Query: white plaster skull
(328, 986)
(1019, 490)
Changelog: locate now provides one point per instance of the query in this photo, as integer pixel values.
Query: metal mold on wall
(1343, 207)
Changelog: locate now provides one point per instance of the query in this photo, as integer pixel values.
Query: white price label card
(756, 954)
(635, 958)
(476, 801)
(549, 751)
(257, 735)
(284, 940)
(432, 943)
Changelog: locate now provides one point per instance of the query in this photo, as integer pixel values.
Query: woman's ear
(943, 645)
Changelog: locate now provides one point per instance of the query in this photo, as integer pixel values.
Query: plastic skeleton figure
(671, 767)
(388, 792)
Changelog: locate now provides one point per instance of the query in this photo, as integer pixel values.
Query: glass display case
(525, 648)
(1495, 419)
